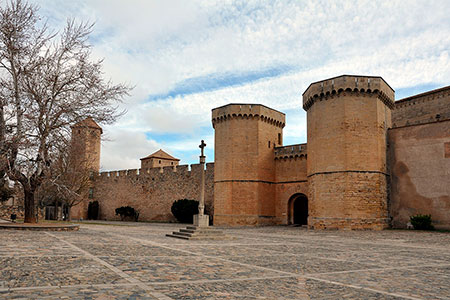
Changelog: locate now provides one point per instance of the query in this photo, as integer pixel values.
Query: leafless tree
(47, 83)
(68, 180)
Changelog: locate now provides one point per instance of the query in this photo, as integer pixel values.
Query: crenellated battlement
(429, 107)
(324, 89)
(186, 170)
(291, 151)
(248, 111)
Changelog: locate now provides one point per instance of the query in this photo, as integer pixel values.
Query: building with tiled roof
(159, 159)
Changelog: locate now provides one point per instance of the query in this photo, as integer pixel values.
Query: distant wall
(152, 191)
(422, 108)
(420, 162)
(6, 211)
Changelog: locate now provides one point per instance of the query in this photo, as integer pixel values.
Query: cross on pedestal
(201, 219)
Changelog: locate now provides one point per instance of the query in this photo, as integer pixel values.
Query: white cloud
(122, 149)
(156, 45)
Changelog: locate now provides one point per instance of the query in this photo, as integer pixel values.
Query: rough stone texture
(348, 83)
(152, 191)
(420, 171)
(245, 137)
(348, 201)
(86, 138)
(6, 211)
(422, 108)
(347, 129)
(291, 179)
(343, 172)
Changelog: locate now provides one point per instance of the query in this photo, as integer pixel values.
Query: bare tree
(68, 180)
(47, 83)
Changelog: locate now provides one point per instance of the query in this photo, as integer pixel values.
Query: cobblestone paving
(137, 261)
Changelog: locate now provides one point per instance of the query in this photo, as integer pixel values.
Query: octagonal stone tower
(348, 118)
(244, 167)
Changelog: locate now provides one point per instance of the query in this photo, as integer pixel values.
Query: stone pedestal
(201, 220)
(199, 233)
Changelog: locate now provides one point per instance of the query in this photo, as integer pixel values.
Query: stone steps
(199, 233)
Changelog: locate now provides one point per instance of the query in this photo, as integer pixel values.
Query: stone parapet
(348, 83)
(246, 111)
(180, 169)
(429, 107)
(291, 151)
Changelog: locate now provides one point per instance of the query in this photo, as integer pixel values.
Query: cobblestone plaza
(137, 261)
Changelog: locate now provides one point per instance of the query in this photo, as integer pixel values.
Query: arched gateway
(298, 209)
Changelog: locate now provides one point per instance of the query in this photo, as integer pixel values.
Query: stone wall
(152, 191)
(347, 121)
(245, 138)
(420, 162)
(291, 179)
(7, 210)
(422, 108)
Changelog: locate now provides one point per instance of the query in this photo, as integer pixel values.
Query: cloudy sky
(185, 57)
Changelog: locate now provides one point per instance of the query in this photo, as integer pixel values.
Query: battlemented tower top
(241, 110)
(348, 83)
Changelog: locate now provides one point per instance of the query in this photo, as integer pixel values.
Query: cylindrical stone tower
(244, 168)
(348, 118)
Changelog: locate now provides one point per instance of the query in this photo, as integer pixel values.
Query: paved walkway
(136, 261)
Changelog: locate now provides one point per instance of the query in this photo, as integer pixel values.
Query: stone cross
(202, 146)
(201, 205)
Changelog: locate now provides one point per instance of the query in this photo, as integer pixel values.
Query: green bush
(421, 222)
(127, 212)
(93, 208)
(184, 210)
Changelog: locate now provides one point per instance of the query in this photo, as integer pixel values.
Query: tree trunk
(30, 209)
(69, 214)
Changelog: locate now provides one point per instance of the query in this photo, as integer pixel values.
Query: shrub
(127, 212)
(184, 210)
(93, 208)
(421, 222)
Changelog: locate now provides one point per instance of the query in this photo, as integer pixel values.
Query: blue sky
(186, 57)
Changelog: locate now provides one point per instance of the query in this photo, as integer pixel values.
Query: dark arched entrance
(298, 209)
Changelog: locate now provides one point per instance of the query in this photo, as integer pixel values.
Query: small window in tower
(159, 162)
(79, 131)
(91, 193)
(280, 139)
(171, 163)
(268, 144)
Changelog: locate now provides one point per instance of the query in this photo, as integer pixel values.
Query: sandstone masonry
(369, 163)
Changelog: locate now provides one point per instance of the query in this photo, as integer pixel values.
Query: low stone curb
(40, 227)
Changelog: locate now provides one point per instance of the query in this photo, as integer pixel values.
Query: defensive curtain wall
(151, 191)
(419, 158)
(370, 162)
